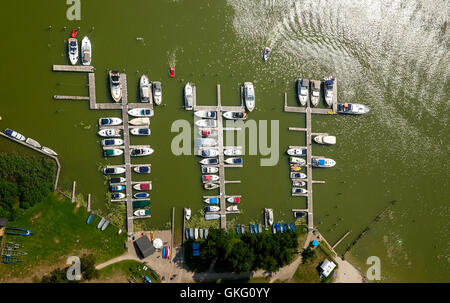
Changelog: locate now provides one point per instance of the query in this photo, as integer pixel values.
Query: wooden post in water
(73, 190)
(89, 202)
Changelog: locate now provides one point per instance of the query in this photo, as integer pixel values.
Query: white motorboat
(14, 134)
(328, 90)
(109, 121)
(233, 160)
(113, 152)
(235, 115)
(49, 151)
(210, 178)
(325, 139)
(208, 142)
(113, 170)
(232, 152)
(189, 96)
(187, 213)
(297, 175)
(109, 132)
(210, 185)
(234, 200)
(139, 121)
(266, 53)
(323, 162)
(209, 169)
(72, 45)
(297, 160)
(299, 190)
(209, 161)
(205, 114)
(117, 180)
(141, 112)
(145, 89)
(208, 152)
(115, 87)
(249, 96)
(140, 131)
(352, 108)
(100, 224)
(211, 208)
(117, 196)
(298, 183)
(139, 152)
(296, 151)
(112, 142)
(157, 92)
(206, 123)
(232, 208)
(141, 212)
(207, 132)
(142, 169)
(295, 167)
(86, 51)
(315, 92)
(269, 216)
(33, 142)
(303, 91)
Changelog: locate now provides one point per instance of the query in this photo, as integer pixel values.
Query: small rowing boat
(33, 143)
(139, 121)
(49, 151)
(113, 170)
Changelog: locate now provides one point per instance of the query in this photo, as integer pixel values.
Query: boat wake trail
(391, 55)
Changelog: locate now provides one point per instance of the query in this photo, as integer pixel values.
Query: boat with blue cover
(234, 160)
(209, 161)
(278, 227)
(141, 203)
(141, 195)
(295, 175)
(212, 200)
(140, 112)
(352, 108)
(142, 169)
(90, 218)
(109, 121)
(140, 131)
(112, 142)
(251, 228)
(292, 225)
(323, 162)
(297, 151)
(238, 229)
(285, 226)
(211, 209)
(14, 134)
(117, 196)
(116, 187)
(14, 231)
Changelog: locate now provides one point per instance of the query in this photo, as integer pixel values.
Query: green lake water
(392, 56)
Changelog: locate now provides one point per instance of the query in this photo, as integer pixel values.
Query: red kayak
(172, 72)
(74, 33)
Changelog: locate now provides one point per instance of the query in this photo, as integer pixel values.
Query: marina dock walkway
(308, 111)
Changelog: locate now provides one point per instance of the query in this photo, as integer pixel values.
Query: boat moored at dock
(109, 121)
(249, 96)
(211, 208)
(142, 186)
(113, 152)
(207, 132)
(315, 92)
(117, 196)
(141, 212)
(210, 185)
(323, 162)
(117, 180)
(208, 152)
(299, 190)
(139, 121)
(189, 96)
(296, 175)
(269, 216)
(295, 167)
(114, 170)
(325, 140)
(140, 131)
(187, 213)
(212, 217)
(211, 200)
(115, 87)
(141, 112)
(49, 151)
(109, 132)
(210, 161)
(141, 203)
(210, 178)
(72, 46)
(33, 142)
(352, 108)
(296, 151)
(207, 142)
(206, 114)
(303, 91)
(112, 142)
(142, 169)
(209, 169)
(141, 195)
(298, 183)
(297, 160)
(157, 92)
(116, 187)
(145, 89)
(328, 90)
(232, 152)
(234, 200)
(234, 160)
(86, 51)
(139, 152)
(206, 123)
(14, 134)
(232, 208)
(235, 115)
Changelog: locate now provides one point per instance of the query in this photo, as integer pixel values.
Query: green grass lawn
(308, 273)
(120, 272)
(59, 231)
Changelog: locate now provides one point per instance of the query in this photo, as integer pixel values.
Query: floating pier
(308, 110)
(73, 68)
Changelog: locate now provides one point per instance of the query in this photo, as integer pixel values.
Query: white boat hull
(86, 51)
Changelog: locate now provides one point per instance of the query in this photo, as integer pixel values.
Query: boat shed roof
(144, 246)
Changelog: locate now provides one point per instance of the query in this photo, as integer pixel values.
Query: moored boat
(315, 92)
(139, 152)
(113, 170)
(206, 123)
(209, 169)
(205, 114)
(112, 152)
(142, 169)
(328, 90)
(208, 152)
(90, 218)
(303, 91)
(14, 134)
(142, 186)
(116, 187)
(200, 233)
(207, 132)
(242, 228)
(86, 51)
(211, 208)
(249, 96)
(195, 233)
(297, 151)
(157, 92)
(207, 142)
(298, 183)
(141, 212)
(232, 151)
(117, 196)
(212, 216)
(145, 89)
(210, 185)
(238, 229)
(139, 121)
(232, 208)
(49, 151)
(141, 195)
(299, 190)
(296, 175)
(234, 160)
(297, 160)
(33, 142)
(260, 228)
(352, 108)
(140, 131)
(109, 132)
(112, 142)
(141, 203)
(295, 167)
(100, 224)
(209, 178)
(191, 233)
(187, 213)
(105, 225)
(323, 162)
(72, 46)
(325, 139)
(115, 87)
(141, 112)
(234, 199)
(189, 96)
(117, 180)
(109, 121)
(235, 115)
(211, 200)
(210, 161)
(269, 216)
(206, 233)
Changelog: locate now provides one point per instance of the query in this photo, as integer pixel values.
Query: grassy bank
(308, 273)
(121, 272)
(59, 231)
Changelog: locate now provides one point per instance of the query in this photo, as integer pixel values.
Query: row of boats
(282, 227)
(74, 52)
(196, 233)
(253, 228)
(18, 136)
(148, 91)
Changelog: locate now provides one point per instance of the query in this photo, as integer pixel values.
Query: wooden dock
(341, 239)
(308, 111)
(76, 98)
(73, 68)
